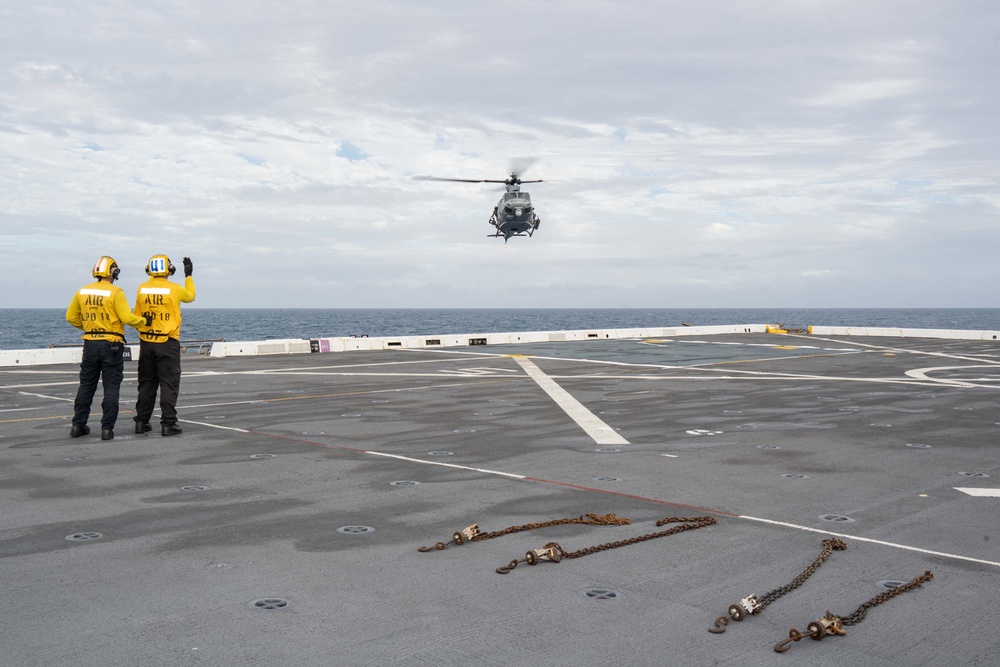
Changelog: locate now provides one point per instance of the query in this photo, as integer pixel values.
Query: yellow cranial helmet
(160, 265)
(106, 267)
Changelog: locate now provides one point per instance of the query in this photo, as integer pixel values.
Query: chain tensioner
(752, 605)
(555, 553)
(472, 533)
(834, 625)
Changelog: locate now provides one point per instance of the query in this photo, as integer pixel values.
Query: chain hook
(829, 625)
(737, 612)
(464, 535)
(720, 625)
(509, 566)
(793, 636)
(549, 552)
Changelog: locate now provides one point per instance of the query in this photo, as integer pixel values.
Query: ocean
(31, 328)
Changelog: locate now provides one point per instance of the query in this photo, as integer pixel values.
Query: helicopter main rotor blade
(458, 180)
(472, 180)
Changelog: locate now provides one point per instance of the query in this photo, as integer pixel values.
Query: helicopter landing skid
(506, 237)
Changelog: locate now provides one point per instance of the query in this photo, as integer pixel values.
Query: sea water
(30, 328)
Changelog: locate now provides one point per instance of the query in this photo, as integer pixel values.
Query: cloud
(692, 154)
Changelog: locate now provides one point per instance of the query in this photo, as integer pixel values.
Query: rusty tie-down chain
(751, 605)
(555, 553)
(834, 625)
(472, 532)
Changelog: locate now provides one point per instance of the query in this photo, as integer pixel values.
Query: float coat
(162, 299)
(102, 311)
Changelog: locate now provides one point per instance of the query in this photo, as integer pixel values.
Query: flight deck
(354, 508)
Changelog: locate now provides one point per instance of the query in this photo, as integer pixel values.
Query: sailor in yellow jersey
(159, 301)
(102, 311)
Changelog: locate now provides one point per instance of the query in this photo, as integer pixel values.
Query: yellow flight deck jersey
(102, 311)
(162, 299)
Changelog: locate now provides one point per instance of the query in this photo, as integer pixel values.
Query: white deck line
(224, 428)
(981, 493)
(445, 465)
(894, 545)
(587, 420)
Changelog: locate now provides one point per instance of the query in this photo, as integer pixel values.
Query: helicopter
(514, 214)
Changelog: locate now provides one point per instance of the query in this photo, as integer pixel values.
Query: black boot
(170, 429)
(107, 434)
(142, 427)
(77, 431)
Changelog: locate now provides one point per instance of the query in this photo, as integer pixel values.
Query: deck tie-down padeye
(554, 552)
(752, 605)
(472, 533)
(832, 624)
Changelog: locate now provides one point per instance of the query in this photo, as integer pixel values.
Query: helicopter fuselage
(514, 215)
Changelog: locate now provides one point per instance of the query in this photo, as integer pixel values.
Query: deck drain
(214, 417)
(351, 414)
(76, 458)
(84, 537)
(608, 450)
(791, 476)
(404, 482)
(263, 456)
(194, 487)
(607, 479)
(219, 566)
(440, 453)
(973, 474)
(313, 433)
(836, 518)
(464, 430)
(610, 412)
(732, 412)
(483, 414)
(915, 445)
(355, 530)
(881, 425)
(379, 400)
(768, 447)
(600, 594)
(890, 584)
(270, 603)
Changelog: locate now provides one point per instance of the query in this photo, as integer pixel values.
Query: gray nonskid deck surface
(314, 479)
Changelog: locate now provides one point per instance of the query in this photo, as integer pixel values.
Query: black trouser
(159, 367)
(102, 360)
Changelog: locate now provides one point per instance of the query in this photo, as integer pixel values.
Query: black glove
(149, 319)
(188, 267)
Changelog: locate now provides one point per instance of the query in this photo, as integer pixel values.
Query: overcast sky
(799, 153)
